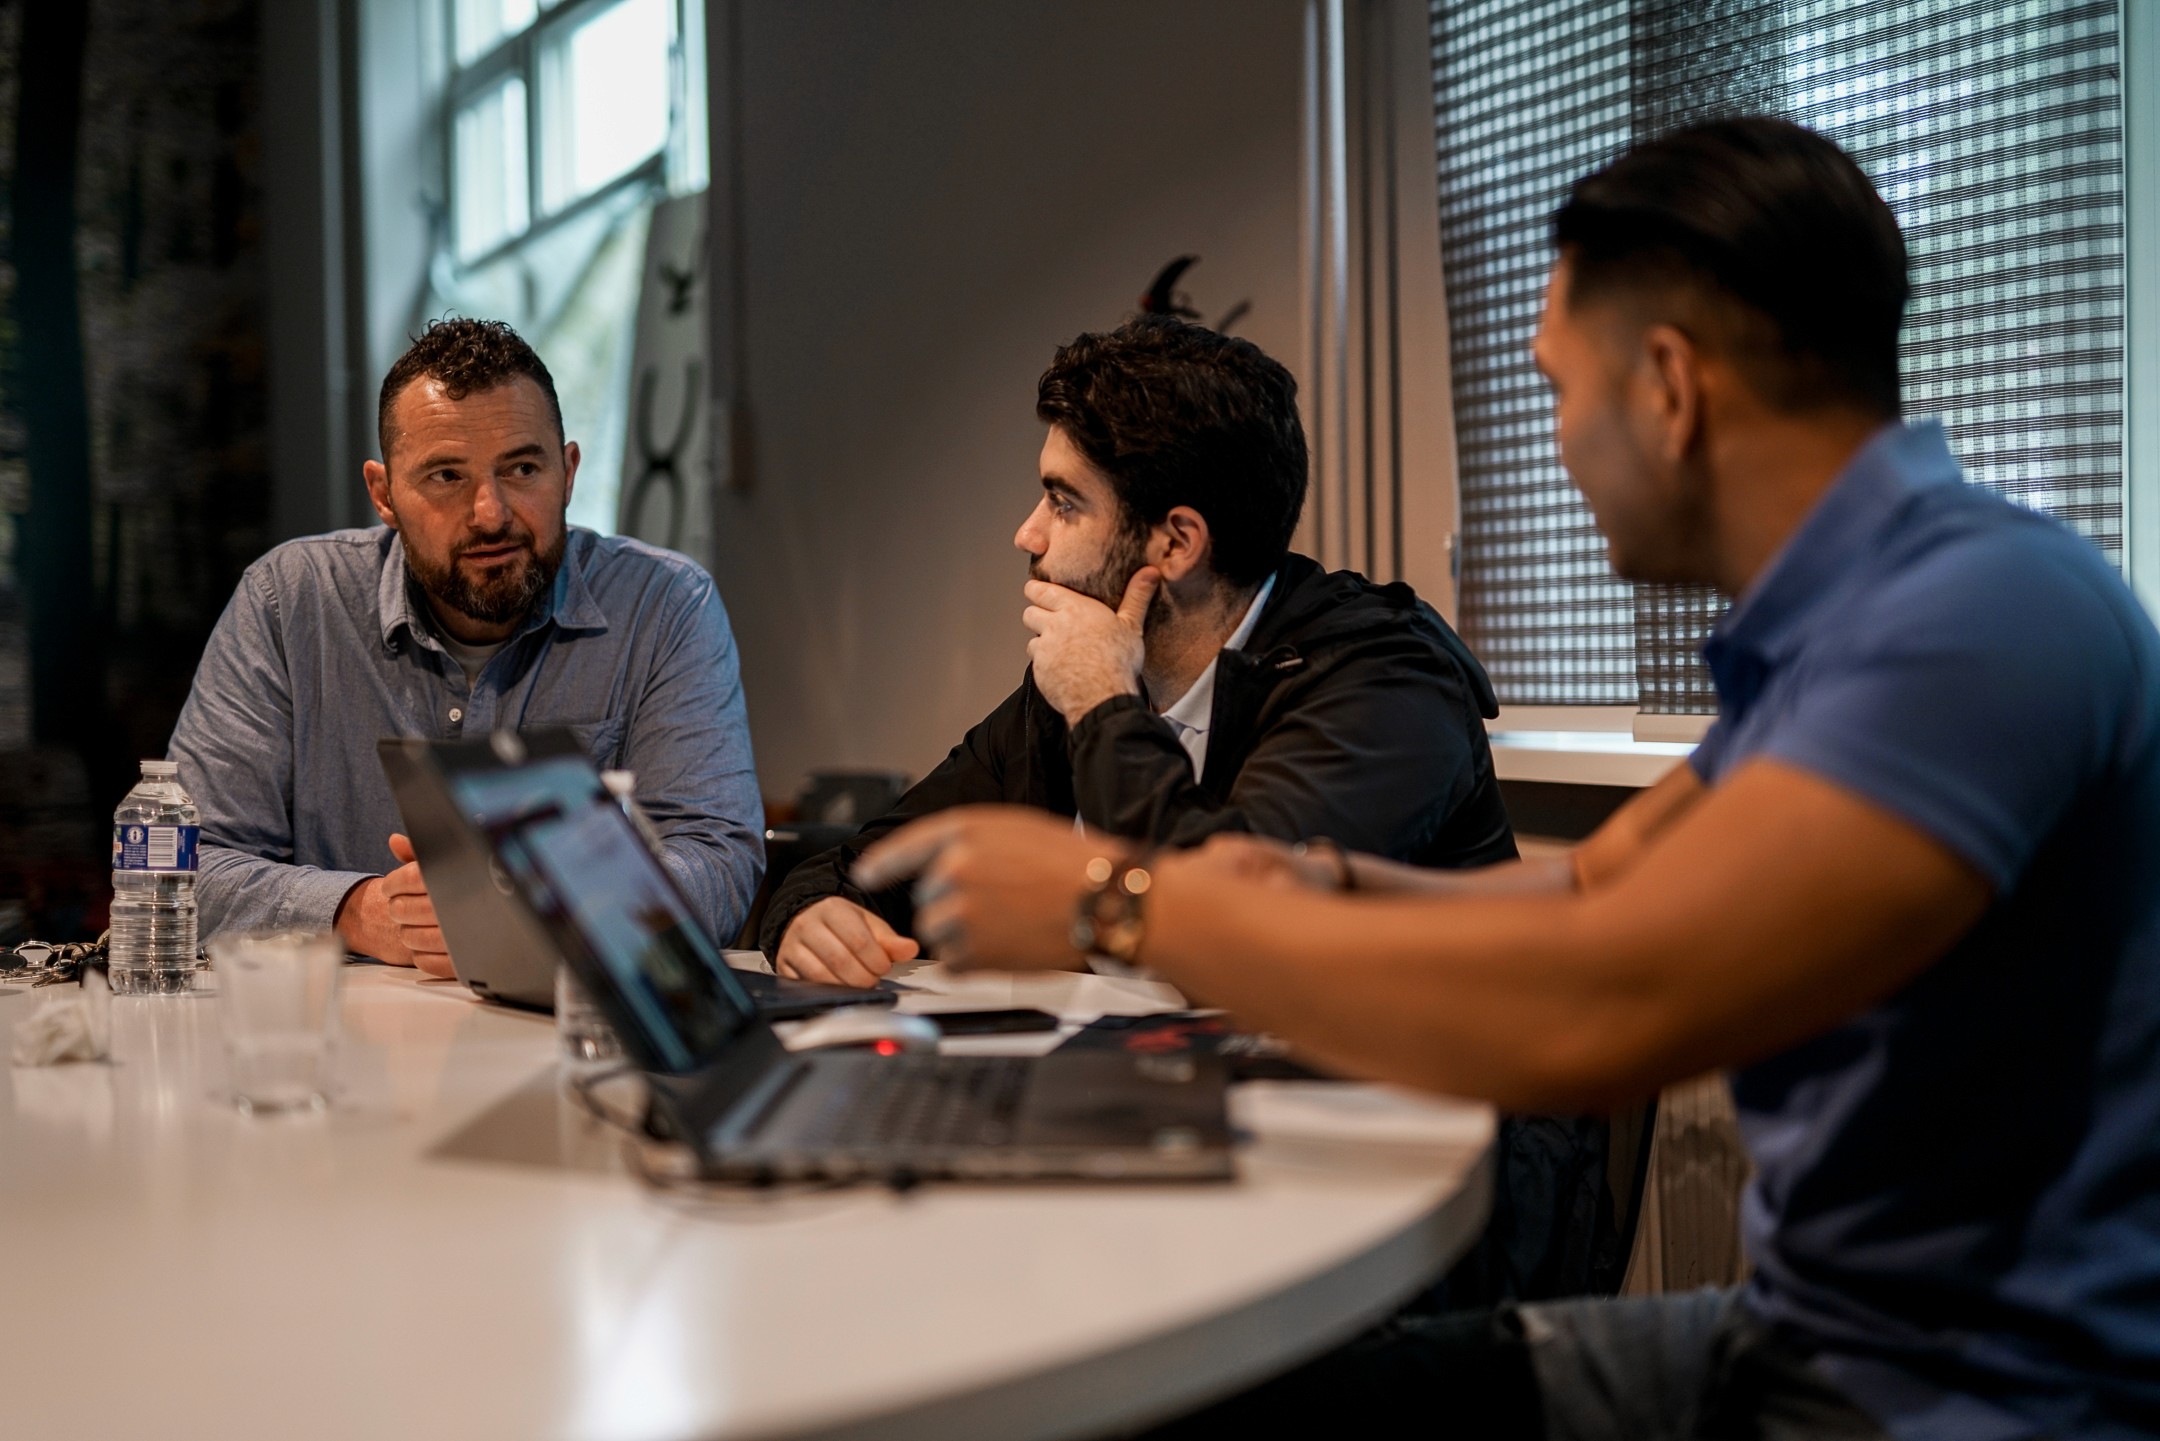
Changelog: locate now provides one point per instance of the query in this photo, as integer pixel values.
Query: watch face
(1107, 921)
(1122, 941)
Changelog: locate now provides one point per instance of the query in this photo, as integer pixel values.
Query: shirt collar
(1196, 707)
(570, 604)
(1766, 623)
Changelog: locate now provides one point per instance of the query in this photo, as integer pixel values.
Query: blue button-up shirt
(1957, 1192)
(326, 648)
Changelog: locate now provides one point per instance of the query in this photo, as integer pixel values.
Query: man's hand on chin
(392, 918)
(1084, 653)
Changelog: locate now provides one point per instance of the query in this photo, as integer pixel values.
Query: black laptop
(721, 1080)
(496, 947)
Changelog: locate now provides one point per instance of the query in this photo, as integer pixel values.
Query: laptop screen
(611, 907)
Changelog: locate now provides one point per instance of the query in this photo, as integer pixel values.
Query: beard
(507, 595)
(1107, 581)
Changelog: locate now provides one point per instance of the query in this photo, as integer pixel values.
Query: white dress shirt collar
(1195, 710)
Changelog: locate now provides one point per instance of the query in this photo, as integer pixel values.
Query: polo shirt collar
(570, 604)
(1765, 625)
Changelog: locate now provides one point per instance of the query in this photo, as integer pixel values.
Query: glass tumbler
(277, 995)
(589, 1043)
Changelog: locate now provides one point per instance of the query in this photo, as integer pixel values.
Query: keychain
(48, 963)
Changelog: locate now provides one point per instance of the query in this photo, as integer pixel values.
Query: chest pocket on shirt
(601, 740)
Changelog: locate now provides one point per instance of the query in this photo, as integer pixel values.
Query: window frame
(2140, 31)
(1617, 744)
(520, 55)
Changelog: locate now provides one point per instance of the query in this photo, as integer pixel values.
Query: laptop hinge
(687, 1107)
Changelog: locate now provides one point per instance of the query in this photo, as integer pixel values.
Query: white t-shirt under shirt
(472, 659)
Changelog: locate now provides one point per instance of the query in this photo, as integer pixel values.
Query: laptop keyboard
(923, 1100)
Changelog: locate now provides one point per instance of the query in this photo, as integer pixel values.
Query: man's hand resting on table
(838, 943)
(392, 918)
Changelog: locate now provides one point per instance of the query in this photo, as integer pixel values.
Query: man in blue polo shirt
(1908, 890)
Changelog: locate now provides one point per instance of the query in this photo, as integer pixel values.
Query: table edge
(1169, 1373)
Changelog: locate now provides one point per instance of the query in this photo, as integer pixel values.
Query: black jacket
(1354, 712)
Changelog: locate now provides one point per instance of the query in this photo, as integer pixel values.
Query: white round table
(456, 1251)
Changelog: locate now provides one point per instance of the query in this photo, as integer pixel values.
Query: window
(561, 122)
(1994, 131)
(489, 163)
(590, 81)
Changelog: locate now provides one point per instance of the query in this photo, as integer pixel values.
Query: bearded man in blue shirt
(1906, 890)
(474, 607)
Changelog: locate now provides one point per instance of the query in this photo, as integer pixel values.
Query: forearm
(1131, 777)
(1518, 1000)
(689, 746)
(1774, 912)
(1540, 876)
(1376, 763)
(235, 891)
(720, 876)
(1600, 860)
(1752, 924)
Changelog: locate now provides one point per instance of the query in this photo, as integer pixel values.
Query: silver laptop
(496, 947)
(722, 1082)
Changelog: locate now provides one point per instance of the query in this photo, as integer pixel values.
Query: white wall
(930, 198)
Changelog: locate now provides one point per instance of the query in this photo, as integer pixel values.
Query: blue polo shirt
(1957, 1193)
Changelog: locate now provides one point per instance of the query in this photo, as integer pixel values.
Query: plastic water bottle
(153, 907)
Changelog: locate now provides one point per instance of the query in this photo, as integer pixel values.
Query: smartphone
(991, 1023)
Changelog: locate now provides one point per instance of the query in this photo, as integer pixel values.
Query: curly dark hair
(1177, 414)
(463, 356)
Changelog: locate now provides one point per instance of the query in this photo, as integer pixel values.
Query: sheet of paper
(1356, 1114)
(1072, 996)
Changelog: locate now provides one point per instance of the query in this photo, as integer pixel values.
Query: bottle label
(154, 848)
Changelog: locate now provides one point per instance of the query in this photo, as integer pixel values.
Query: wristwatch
(1108, 920)
(1345, 876)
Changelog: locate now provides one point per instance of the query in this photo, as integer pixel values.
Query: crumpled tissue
(71, 1023)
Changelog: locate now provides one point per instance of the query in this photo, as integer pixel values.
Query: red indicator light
(886, 1047)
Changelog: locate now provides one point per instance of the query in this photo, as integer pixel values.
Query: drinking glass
(278, 992)
(589, 1043)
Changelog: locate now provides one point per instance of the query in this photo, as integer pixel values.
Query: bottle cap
(161, 768)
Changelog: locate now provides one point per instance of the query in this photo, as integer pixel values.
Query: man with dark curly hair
(1189, 674)
(475, 607)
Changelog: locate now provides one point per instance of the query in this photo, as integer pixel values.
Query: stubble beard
(1107, 582)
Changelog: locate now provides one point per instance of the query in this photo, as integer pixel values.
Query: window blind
(1993, 130)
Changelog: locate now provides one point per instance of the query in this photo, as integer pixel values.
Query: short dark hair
(463, 356)
(1177, 414)
(1766, 214)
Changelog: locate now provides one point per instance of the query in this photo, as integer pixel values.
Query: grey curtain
(1994, 130)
